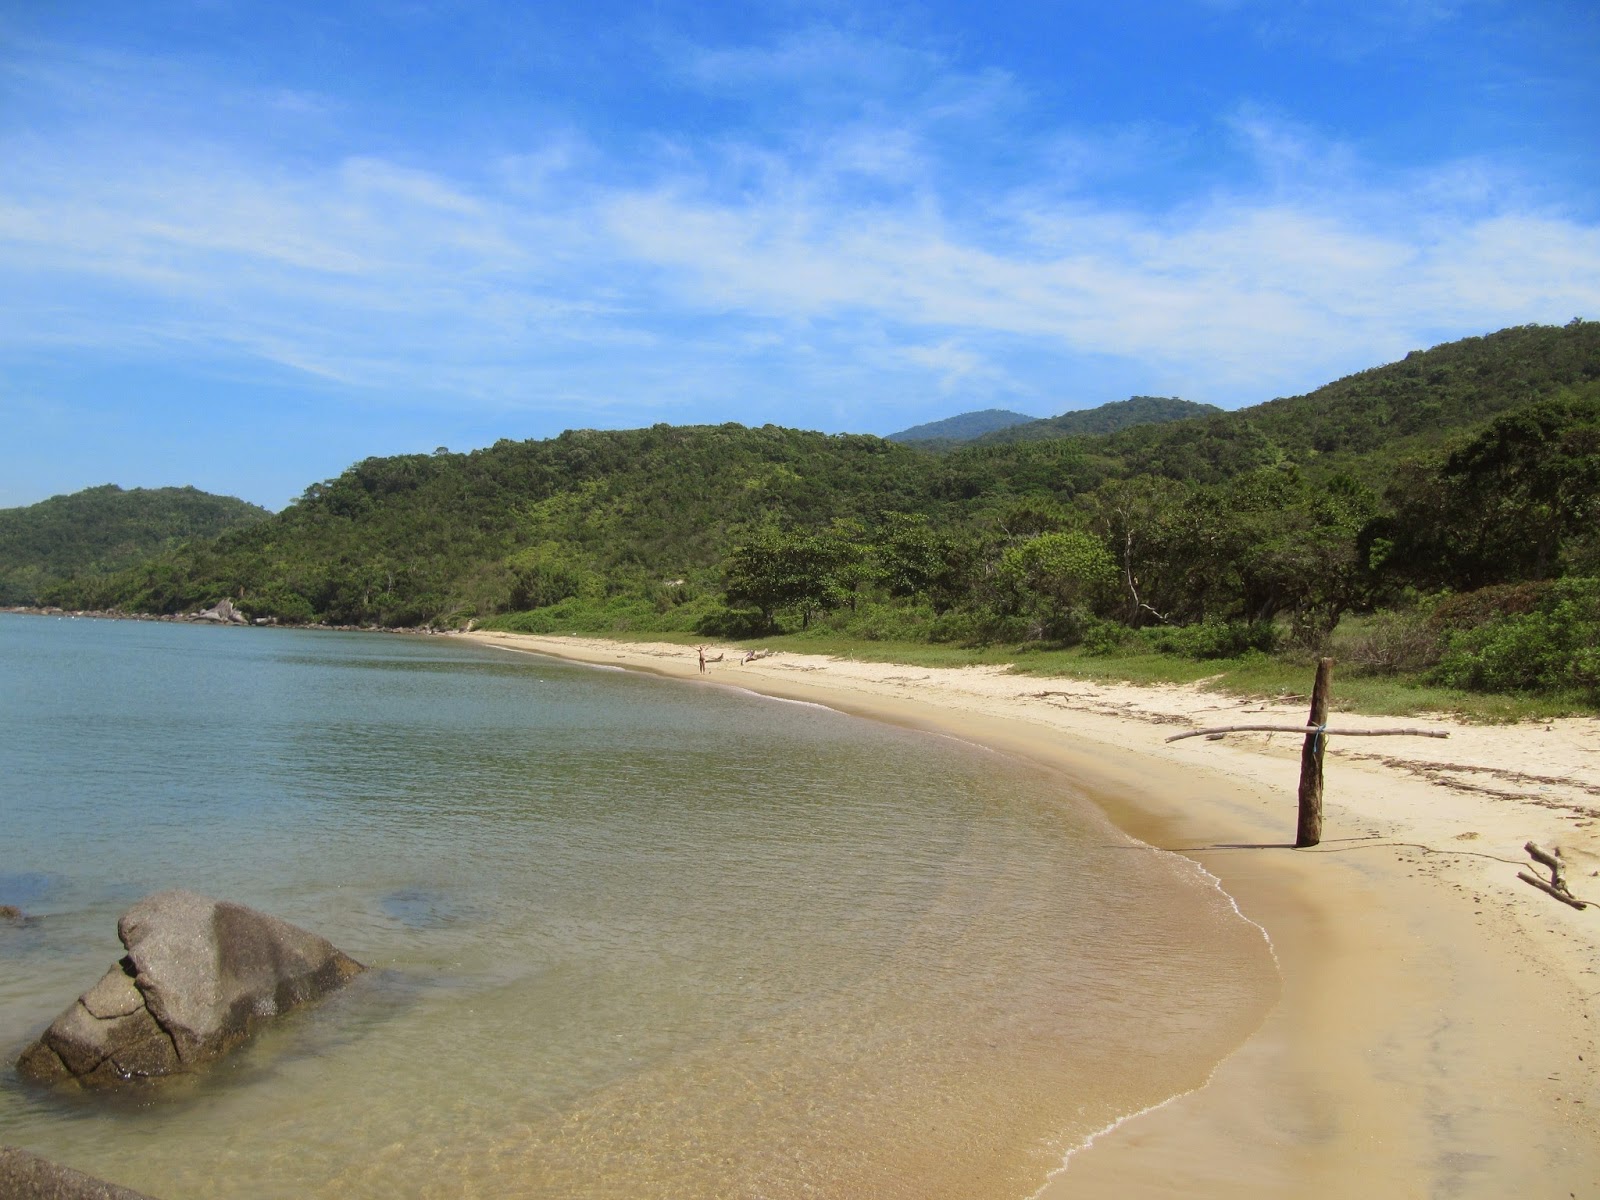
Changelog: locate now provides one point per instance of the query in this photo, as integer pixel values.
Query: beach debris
(25, 1176)
(1217, 732)
(199, 978)
(1556, 885)
(13, 914)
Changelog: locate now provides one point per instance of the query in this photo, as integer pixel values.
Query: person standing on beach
(702, 650)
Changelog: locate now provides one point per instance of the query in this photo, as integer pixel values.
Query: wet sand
(1436, 1033)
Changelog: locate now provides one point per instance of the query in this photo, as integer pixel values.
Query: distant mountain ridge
(962, 428)
(103, 529)
(1107, 418)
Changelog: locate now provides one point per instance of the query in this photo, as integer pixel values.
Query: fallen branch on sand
(1219, 730)
(1557, 885)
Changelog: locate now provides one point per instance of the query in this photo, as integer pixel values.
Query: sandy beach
(1436, 1030)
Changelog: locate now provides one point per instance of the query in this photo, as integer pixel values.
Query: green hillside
(1470, 466)
(1364, 424)
(407, 539)
(1108, 418)
(104, 529)
(962, 428)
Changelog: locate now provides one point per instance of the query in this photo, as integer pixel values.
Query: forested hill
(1472, 465)
(1108, 418)
(962, 428)
(104, 529)
(1364, 424)
(412, 538)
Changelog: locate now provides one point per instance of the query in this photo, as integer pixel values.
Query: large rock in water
(199, 976)
(25, 1176)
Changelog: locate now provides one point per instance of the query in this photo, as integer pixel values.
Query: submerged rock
(199, 977)
(25, 1176)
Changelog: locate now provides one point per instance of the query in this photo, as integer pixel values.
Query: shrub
(1213, 639)
(730, 622)
(1468, 610)
(884, 622)
(281, 602)
(1391, 643)
(957, 626)
(1552, 648)
(1104, 638)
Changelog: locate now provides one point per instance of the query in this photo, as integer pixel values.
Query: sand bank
(1436, 1034)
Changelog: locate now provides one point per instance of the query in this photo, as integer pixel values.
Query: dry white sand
(1436, 1030)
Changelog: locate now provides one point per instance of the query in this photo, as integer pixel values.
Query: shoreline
(1436, 1030)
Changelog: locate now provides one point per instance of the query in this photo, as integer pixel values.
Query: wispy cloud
(846, 252)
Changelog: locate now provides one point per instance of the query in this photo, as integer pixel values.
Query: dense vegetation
(962, 428)
(1450, 501)
(1108, 418)
(104, 529)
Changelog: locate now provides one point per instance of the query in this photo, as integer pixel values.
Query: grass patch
(1252, 675)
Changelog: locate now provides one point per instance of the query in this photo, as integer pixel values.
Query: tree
(915, 560)
(1517, 501)
(543, 575)
(1057, 579)
(775, 570)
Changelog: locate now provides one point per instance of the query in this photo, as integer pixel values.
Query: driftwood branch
(1309, 729)
(1557, 884)
(1564, 897)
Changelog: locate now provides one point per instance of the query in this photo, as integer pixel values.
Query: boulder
(199, 977)
(25, 1176)
(222, 613)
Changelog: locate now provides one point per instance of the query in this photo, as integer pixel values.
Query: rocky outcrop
(222, 613)
(199, 977)
(25, 1176)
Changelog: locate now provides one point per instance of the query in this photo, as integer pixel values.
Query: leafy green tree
(776, 570)
(1519, 500)
(1145, 524)
(1056, 580)
(543, 575)
(915, 560)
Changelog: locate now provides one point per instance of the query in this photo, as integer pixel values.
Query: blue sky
(244, 245)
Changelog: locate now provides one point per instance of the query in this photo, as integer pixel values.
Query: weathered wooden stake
(1309, 831)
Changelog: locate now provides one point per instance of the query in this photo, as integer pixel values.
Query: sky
(245, 245)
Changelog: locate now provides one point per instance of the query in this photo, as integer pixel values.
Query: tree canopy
(1475, 464)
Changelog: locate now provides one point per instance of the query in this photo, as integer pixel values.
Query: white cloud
(857, 253)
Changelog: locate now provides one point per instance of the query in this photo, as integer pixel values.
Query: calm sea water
(629, 937)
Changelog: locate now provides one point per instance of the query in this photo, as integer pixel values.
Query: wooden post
(1309, 832)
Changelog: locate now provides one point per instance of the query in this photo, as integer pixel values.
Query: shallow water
(629, 937)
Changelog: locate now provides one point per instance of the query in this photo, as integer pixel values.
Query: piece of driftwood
(1557, 884)
(1219, 730)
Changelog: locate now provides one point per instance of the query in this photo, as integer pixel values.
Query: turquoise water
(629, 936)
